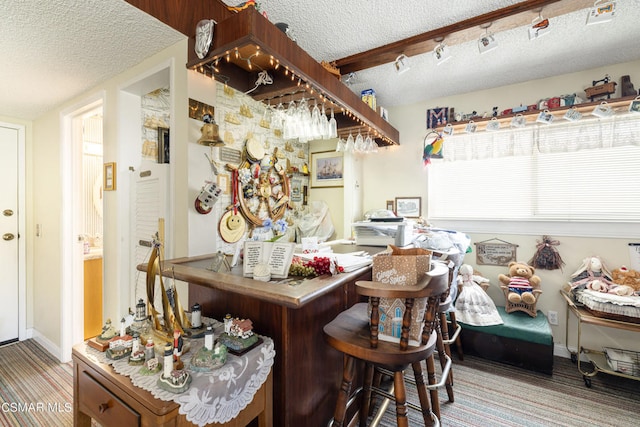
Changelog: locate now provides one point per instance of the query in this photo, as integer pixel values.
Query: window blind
(586, 170)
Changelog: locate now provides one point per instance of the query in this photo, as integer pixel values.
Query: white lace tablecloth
(213, 397)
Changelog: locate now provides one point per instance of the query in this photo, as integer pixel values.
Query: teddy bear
(521, 283)
(628, 278)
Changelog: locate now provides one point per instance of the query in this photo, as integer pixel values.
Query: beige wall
(393, 172)
(410, 179)
(45, 195)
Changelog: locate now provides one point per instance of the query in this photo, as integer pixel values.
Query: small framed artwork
(296, 190)
(634, 107)
(391, 205)
(436, 117)
(109, 176)
(223, 183)
(327, 169)
(408, 207)
(163, 145)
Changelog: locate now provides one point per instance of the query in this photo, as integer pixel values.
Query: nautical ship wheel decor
(262, 189)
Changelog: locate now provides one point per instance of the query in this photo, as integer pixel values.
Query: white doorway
(12, 247)
(81, 132)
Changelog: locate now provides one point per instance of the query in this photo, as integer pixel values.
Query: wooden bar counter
(307, 372)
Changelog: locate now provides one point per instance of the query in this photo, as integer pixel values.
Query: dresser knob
(103, 407)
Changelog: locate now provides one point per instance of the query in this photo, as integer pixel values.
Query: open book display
(277, 255)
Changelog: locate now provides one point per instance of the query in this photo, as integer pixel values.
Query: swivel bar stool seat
(354, 332)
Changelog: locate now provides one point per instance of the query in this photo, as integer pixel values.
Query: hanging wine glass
(359, 143)
(324, 124)
(350, 146)
(333, 126)
(368, 144)
(304, 121)
(290, 121)
(277, 119)
(341, 145)
(316, 129)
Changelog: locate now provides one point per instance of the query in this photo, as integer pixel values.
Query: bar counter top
(290, 292)
(307, 372)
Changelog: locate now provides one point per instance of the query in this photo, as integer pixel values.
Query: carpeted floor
(36, 390)
(494, 394)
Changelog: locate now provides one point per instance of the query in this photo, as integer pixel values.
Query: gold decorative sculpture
(173, 315)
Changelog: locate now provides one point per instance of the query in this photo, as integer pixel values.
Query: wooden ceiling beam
(507, 18)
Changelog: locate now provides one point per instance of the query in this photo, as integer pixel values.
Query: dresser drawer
(102, 405)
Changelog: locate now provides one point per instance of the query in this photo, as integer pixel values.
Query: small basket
(624, 361)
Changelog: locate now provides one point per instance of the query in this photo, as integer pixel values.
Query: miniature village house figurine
(238, 334)
(119, 347)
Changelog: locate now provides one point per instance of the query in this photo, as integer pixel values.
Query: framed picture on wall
(408, 207)
(224, 183)
(109, 176)
(327, 169)
(163, 145)
(391, 206)
(296, 190)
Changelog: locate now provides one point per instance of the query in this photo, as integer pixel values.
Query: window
(587, 171)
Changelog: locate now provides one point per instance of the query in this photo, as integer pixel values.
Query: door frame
(72, 268)
(22, 234)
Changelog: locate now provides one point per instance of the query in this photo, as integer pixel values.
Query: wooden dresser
(112, 400)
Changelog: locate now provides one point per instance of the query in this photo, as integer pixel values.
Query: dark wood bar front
(307, 372)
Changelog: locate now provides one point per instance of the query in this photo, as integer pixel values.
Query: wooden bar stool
(444, 341)
(354, 332)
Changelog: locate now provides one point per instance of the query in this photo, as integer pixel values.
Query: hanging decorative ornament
(204, 37)
(547, 256)
(432, 147)
(210, 132)
(232, 224)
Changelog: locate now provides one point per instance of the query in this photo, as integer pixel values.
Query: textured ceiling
(53, 50)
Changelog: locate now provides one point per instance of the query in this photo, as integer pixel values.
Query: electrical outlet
(553, 317)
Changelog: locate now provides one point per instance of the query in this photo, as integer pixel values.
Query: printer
(398, 232)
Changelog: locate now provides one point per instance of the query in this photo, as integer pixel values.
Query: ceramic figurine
(137, 356)
(149, 350)
(178, 343)
(238, 334)
(108, 332)
(151, 367)
(120, 347)
(196, 316)
(141, 323)
(123, 327)
(210, 356)
(172, 380)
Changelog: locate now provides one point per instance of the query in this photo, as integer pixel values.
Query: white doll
(474, 306)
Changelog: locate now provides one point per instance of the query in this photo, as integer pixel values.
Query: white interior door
(9, 247)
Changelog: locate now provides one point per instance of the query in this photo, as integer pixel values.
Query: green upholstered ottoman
(522, 341)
